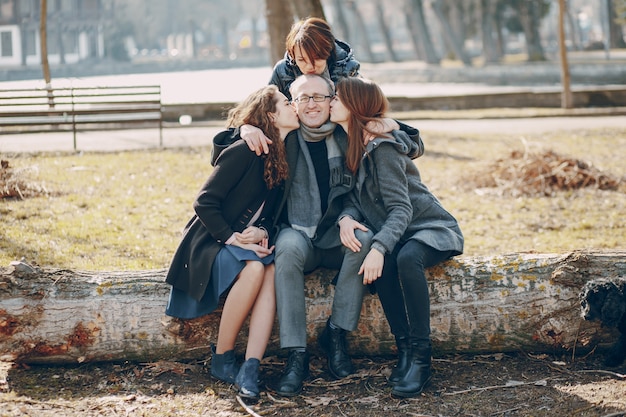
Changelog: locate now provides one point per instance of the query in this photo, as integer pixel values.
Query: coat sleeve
(232, 164)
(393, 188)
(352, 68)
(414, 134)
(222, 141)
(282, 76)
(350, 208)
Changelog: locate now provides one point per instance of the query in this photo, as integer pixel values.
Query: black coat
(231, 195)
(340, 63)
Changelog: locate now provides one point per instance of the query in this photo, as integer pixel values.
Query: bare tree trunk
(361, 30)
(529, 15)
(453, 42)
(485, 19)
(615, 28)
(574, 29)
(43, 37)
(567, 101)
(308, 8)
(279, 20)
(501, 43)
(420, 37)
(341, 22)
(484, 304)
(411, 24)
(380, 17)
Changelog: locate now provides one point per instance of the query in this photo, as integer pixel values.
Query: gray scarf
(304, 203)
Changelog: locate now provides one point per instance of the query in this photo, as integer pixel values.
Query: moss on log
(478, 304)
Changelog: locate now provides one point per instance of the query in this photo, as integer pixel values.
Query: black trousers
(403, 289)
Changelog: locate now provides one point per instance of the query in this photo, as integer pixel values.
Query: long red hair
(366, 102)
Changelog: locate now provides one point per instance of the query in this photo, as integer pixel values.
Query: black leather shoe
(418, 375)
(404, 359)
(247, 379)
(224, 366)
(296, 371)
(333, 342)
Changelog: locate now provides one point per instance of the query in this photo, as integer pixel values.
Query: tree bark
(341, 24)
(420, 36)
(43, 40)
(529, 16)
(279, 20)
(567, 100)
(384, 29)
(486, 19)
(361, 31)
(615, 28)
(575, 36)
(453, 42)
(500, 41)
(483, 304)
(308, 8)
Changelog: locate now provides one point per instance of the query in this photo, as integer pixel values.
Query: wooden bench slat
(74, 106)
(35, 120)
(127, 117)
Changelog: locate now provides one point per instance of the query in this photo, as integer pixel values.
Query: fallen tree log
(479, 304)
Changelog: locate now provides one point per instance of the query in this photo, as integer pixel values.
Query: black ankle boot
(224, 366)
(296, 371)
(404, 359)
(418, 375)
(248, 379)
(333, 342)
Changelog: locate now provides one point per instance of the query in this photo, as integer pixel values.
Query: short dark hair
(314, 36)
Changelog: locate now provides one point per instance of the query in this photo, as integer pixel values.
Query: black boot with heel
(404, 359)
(247, 379)
(418, 374)
(224, 366)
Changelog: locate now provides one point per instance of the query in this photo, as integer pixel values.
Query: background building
(74, 30)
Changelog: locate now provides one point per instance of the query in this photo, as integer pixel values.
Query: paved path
(117, 140)
(227, 85)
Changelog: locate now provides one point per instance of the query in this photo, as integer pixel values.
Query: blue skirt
(228, 264)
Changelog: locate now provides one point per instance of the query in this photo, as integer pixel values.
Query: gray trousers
(295, 255)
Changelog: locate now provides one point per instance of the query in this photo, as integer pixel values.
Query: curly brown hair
(255, 110)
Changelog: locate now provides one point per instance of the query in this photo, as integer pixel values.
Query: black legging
(403, 289)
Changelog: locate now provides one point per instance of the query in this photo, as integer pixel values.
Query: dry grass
(541, 174)
(495, 223)
(16, 183)
(125, 210)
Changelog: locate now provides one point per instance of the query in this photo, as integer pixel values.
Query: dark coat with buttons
(231, 196)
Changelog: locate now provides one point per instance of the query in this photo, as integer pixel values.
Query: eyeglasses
(318, 98)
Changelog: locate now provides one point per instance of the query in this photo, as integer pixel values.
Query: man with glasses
(309, 236)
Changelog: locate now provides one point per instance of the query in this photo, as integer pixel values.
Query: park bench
(80, 109)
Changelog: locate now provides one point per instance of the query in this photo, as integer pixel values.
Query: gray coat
(390, 197)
